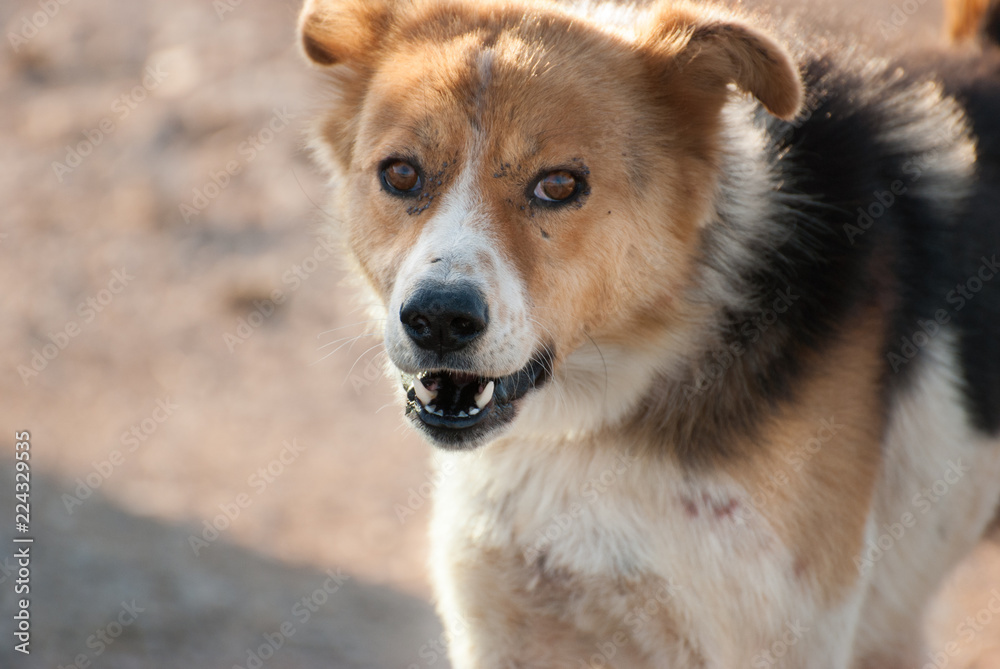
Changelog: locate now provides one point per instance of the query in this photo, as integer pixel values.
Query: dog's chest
(630, 548)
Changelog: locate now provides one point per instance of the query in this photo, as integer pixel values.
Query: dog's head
(519, 181)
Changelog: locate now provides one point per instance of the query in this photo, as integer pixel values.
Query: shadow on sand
(117, 590)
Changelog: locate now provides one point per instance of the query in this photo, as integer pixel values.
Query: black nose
(444, 318)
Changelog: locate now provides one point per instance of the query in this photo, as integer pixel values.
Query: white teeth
(483, 398)
(425, 396)
(430, 408)
(474, 411)
(439, 412)
(462, 414)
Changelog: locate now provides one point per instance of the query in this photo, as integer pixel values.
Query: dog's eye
(556, 186)
(401, 177)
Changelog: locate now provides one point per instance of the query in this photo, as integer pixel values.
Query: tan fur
(719, 48)
(834, 488)
(963, 18)
(345, 31)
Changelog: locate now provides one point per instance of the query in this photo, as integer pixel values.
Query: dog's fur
(765, 333)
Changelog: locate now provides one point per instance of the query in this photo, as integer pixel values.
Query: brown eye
(401, 177)
(556, 187)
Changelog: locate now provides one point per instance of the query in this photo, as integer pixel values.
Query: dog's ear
(339, 31)
(714, 50)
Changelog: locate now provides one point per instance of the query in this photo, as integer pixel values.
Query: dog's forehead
(521, 94)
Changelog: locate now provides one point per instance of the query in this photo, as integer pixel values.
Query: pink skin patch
(721, 509)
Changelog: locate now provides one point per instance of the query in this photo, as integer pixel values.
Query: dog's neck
(603, 384)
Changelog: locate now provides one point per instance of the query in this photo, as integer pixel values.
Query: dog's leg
(938, 494)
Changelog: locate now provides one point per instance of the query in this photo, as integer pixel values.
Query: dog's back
(970, 71)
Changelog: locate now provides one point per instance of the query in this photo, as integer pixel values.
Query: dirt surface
(170, 391)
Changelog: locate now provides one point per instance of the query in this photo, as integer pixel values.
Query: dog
(702, 314)
(973, 20)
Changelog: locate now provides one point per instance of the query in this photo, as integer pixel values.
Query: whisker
(355, 338)
(603, 362)
(372, 320)
(542, 325)
(346, 343)
(323, 358)
(351, 371)
(548, 364)
(359, 307)
(351, 342)
(318, 207)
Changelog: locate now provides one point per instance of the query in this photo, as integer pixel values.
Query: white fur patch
(597, 512)
(940, 487)
(457, 238)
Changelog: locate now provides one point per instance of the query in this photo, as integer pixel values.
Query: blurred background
(220, 477)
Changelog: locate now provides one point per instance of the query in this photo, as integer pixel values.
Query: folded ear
(716, 50)
(336, 31)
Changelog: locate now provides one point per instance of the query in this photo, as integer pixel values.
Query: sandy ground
(168, 387)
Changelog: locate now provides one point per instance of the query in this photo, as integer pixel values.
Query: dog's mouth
(457, 409)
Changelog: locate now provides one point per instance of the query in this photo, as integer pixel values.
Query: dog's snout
(444, 318)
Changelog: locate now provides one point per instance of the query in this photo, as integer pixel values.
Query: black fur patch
(865, 230)
(991, 24)
(974, 80)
